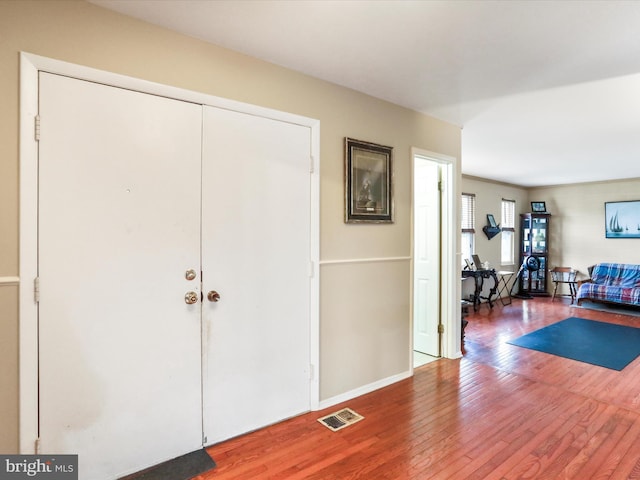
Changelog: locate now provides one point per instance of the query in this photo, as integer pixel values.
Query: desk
(504, 277)
(478, 277)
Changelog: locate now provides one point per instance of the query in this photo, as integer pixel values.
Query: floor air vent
(341, 419)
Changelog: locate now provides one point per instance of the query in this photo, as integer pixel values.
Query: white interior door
(426, 290)
(119, 224)
(256, 256)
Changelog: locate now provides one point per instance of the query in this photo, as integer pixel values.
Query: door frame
(30, 65)
(449, 283)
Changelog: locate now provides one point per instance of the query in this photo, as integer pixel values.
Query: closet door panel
(255, 256)
(119, 224)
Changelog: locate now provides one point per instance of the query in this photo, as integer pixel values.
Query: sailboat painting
(622, 219)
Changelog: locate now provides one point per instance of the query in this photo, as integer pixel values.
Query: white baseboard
(343, 397)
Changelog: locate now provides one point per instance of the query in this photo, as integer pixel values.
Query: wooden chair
(566, 275)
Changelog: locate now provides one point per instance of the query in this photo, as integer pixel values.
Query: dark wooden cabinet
(534, 253)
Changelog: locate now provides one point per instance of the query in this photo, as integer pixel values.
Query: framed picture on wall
(368, 180)
(622, 219)
(538, 207)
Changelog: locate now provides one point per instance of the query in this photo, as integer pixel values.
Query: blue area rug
(598, 343)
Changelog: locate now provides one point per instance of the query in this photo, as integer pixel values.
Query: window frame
(467, 226)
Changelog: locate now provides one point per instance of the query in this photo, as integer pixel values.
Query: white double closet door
(135, 190)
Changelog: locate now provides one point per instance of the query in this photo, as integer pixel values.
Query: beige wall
(82, 33)
(489, 195)
(577, 228)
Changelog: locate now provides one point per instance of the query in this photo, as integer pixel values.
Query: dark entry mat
(180, 468)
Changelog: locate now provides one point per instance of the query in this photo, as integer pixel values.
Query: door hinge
(440, 186)
(37, 128)
(311, 164)
(440, 328)
(37, 446)
(36, 289)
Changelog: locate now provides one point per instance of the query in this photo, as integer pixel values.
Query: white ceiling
(547, 92)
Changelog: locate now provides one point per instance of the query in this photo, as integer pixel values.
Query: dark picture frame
(368, 182)
(538, 207)
(622, 219)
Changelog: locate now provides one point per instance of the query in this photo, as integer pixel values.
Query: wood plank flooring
(500, 412)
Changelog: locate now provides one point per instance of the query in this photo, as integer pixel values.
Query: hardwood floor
(500, 412)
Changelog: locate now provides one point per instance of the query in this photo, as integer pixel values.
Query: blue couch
(612, 282)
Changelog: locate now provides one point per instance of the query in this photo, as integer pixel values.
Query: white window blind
(508, 215)
(468, 213)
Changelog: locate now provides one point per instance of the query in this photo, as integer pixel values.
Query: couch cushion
(625, 275)
(594, 291)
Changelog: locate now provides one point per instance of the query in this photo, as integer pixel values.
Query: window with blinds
(508, 223)
(468, 224)
(468, 214)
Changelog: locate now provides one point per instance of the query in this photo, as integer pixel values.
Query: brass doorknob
(213, 296)
(190, 298)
